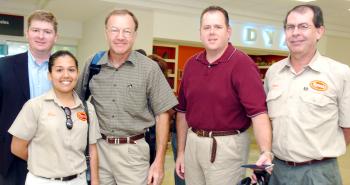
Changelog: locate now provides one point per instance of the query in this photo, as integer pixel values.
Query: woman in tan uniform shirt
(51, 130)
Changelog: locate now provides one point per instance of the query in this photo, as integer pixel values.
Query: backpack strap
(94, 69)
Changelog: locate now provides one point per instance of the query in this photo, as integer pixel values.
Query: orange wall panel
(185, 52)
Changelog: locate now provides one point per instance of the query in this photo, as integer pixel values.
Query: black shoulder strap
(86, 109)
(94, 69)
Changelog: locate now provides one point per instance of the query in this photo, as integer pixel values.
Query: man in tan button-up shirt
(128, 93)
(308, 98)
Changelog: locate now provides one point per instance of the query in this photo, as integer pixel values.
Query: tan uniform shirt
(128, 98)
(55, 151)
(308, 109)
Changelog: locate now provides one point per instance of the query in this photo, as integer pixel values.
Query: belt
(122, 140)
(68, 178)
(213, 134)
(290, 163)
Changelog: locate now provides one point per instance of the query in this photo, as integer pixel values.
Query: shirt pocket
(317, 101)
(274, 100)
(135, 99)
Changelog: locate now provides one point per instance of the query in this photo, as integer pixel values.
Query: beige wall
(93, 37)
(185, 27)
(338, 48)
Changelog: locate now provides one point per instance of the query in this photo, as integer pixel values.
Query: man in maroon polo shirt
(220, 95)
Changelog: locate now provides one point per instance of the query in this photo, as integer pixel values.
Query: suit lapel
(20, 67)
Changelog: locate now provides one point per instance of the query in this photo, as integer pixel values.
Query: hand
(264, 158)
(156, 173)
(180, 166)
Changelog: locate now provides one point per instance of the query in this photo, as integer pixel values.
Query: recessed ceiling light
(305, 1)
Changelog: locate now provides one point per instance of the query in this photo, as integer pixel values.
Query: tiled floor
(344, 163)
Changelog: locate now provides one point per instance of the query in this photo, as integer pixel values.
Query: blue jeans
(178, 180)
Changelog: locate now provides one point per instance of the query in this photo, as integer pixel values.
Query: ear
(229, 32)
(49, 76)
(26, 34)
(135, 35)
(319, 32)
(56, 37)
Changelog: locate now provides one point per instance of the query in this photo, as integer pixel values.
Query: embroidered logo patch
(82, 116)
(318, 85)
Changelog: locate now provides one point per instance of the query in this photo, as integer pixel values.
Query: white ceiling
(336, 13)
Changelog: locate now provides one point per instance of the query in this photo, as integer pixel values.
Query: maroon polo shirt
(221, 96)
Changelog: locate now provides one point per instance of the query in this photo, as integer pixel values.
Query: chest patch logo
(318, 85)
(82, 116)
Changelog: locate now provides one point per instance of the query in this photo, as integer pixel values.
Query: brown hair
(122, 12)
(42, 15)
(214, 9)
(318, 15)
(161, 62)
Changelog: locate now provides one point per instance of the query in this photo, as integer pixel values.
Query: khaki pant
(232, 152)
(321, 173)
(123, 164)
(35, 180)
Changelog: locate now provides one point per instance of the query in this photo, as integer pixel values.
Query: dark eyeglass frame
(69, 121)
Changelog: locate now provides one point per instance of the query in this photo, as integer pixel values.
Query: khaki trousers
(35, 180)
(232, 152)
(123, 164)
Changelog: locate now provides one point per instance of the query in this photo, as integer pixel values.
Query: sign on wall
(11, 25)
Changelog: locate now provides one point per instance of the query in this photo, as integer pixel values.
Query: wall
(69, 32)
(338, 48)
(94, 39)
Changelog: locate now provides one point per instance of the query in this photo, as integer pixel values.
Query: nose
(212, 30)
(65, 73)
(41, 34)
(120, 35)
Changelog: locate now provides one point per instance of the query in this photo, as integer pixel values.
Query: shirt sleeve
(344, 101)
(161, 96)
(249, 86)
(94, 128)
(25, 124)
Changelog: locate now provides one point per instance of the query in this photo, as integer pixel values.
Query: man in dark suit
(23, 76)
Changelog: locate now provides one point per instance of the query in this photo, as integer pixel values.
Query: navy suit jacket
(14, 92)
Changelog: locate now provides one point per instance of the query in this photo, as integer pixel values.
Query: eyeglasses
(301, 27)
(69, 122)
(125, 32)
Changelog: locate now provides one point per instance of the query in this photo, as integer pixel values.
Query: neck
(117, 60)
(213, 55)
(67, 99)
(39, 56)
(299, 61)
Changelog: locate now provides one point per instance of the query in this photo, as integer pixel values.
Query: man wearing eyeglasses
(308, 98)
(23, 76)
(128, 93)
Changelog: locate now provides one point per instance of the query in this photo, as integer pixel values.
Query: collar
(131, 59)
(314, 64)
(230, 50)
(51, 96)
(32, 60)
